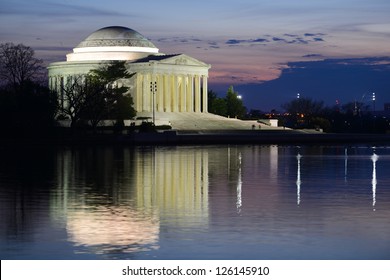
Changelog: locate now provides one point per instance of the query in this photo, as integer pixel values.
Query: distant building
(181, 80)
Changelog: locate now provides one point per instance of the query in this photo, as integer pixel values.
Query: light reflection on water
(374, 159)
(195, 202)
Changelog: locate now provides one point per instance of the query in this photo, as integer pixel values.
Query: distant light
(373, 96)
(239, 96)
(298, 95)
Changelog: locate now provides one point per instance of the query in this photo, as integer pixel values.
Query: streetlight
(298, 95)
(153, 90)
(373, 100)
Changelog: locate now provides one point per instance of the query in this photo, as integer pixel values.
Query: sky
(269, 50)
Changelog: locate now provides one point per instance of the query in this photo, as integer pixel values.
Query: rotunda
(113, 43)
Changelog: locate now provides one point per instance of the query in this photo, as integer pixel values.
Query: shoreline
(257, 137)
(203, 137)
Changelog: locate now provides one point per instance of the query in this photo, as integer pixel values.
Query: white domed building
(181, 81)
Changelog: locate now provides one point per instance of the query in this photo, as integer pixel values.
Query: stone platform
(203, 121)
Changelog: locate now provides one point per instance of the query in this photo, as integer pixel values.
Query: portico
(181, 84)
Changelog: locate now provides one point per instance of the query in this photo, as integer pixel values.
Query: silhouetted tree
(73, 99)
(216, 105)
(256, 114)
(18, 64)
(118, 104)
(230, 106)
(305, 106)
(98, 95)
(234, 105)
(355, 108)
(302, 112)
(26, 107)
(29, 107)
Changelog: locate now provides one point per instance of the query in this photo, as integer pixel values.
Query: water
(195, 202)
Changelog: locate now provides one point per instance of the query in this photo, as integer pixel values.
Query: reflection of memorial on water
(123, 206)
(173, 180)
(195, 202)
(109, 228)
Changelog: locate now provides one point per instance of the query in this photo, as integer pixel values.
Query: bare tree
(18, 64)
(73, 98)
(305, 106)
(95, 96)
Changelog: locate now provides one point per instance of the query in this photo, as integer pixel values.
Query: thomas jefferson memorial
(180, 80)
(171, 86)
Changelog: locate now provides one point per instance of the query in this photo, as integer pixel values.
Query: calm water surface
(195, 202)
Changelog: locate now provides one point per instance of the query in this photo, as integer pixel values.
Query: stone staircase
(203, 121)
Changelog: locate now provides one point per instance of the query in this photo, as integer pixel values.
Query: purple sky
(247, 42)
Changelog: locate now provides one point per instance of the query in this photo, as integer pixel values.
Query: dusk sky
(269, 50)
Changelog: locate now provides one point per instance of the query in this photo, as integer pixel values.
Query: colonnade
(57, 84)
(173, 93)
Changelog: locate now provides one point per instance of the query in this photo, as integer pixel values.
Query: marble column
(167, 96)
(58, 84)
(56, 87)
(183, 96)
(204, 96)
(197, 94)
(174, 99)
(160, 93)
(51, 83)
(64, 85)
(190, 94)
(146, 93)
(152, 95)
(138, 94)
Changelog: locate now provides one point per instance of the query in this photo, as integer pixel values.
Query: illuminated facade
(180, 80)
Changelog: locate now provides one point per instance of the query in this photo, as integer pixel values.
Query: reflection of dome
(112, 228)
(113, 43)
(116, 36)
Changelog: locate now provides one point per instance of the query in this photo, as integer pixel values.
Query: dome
(116, 36)
(113, 43)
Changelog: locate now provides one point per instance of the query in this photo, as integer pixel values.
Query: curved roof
(117, 36)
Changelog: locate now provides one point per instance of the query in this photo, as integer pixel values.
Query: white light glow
(115, 49)
(109, 53)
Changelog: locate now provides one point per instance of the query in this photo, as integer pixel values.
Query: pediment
(183, 59)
